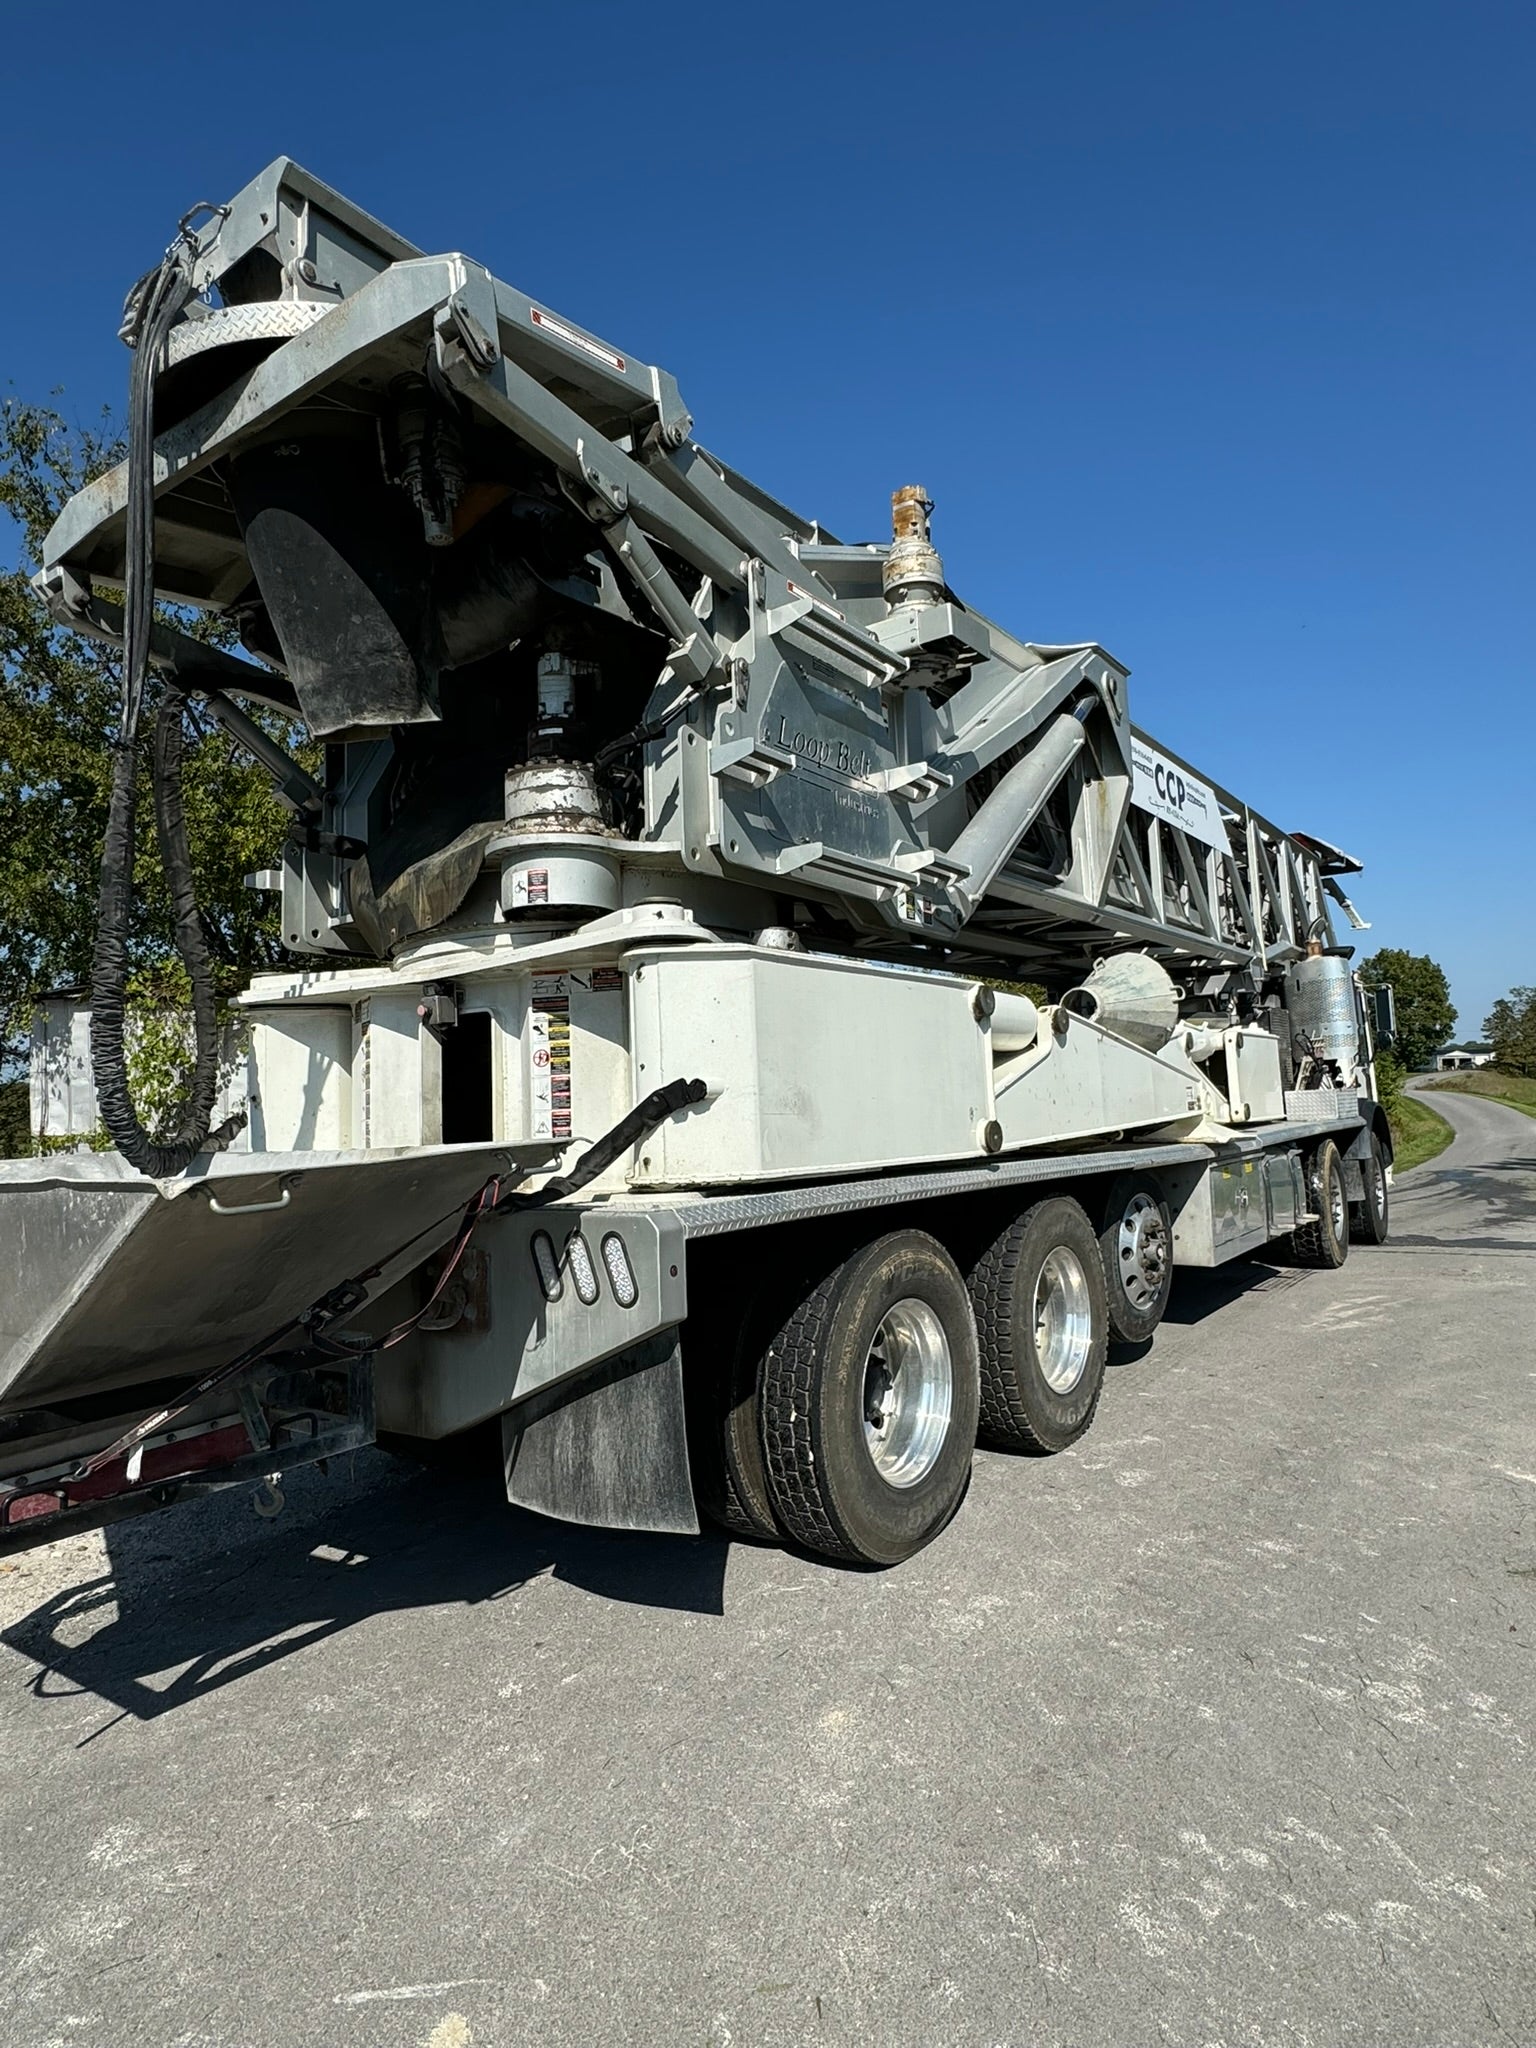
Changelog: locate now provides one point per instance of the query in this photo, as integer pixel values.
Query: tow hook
(269, 1500)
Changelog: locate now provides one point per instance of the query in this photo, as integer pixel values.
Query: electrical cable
(639, 735)
(481, 1204)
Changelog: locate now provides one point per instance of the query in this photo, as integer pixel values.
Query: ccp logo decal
(1176, 795)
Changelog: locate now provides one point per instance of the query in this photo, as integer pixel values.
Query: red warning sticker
(572, 339)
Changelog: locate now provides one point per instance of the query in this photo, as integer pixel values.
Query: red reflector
(28, 1507)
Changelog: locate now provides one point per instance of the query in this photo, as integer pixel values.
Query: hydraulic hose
(644, 1118)
(152, 308)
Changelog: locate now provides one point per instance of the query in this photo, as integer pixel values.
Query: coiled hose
(152, 308)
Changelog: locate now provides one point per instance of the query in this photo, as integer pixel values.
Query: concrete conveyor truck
(654, 1070)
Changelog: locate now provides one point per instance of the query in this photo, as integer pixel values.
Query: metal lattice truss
(1249, 904)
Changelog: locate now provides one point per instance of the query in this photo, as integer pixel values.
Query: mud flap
(611, 1450)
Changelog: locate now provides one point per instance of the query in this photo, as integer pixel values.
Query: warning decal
(549, 1057)
(530, 887)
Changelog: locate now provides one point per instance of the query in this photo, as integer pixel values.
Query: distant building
(63, 1088)
(63, 1093)
(1453, 1059)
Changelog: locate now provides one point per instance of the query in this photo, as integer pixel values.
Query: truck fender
(1375, 1126)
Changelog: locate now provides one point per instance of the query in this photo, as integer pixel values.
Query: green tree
(1389, 1083)
(1426, 1016)
(58, 709)
(15, 1118)
(1510, 1028)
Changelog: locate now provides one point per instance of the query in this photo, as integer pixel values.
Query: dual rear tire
(1043, 1320)
(868, 1403)
(847, 1412)
(852, 1402)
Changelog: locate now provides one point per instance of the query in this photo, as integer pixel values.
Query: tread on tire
(1370, 1218)
(1020, 1408)
(827, 1490)
(1324, 1242)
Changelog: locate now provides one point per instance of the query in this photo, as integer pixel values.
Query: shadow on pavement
(180, 1629)
(1199, 1292)
(1437, 1202)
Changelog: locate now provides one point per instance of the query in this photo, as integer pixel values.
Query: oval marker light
(547, 1266)
(620, 1278)
(583, 1272)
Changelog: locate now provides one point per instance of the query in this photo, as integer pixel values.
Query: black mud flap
(610, 1451)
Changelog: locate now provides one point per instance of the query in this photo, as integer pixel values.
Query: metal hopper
(113, 1280)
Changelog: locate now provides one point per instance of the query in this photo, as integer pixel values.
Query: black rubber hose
(191, 936)
(644, 1118)
(153, 306)
(109, 968)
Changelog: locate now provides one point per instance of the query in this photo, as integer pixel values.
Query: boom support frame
(942, 789)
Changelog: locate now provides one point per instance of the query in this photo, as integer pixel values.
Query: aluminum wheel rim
(1336, 1206)
(1063, 1320)
(909, 1386)
(1142, 1252)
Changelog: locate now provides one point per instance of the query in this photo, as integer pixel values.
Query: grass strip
(1516, 1091)
(1418, 1134)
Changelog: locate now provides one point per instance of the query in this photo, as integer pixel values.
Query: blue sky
(1209, 327)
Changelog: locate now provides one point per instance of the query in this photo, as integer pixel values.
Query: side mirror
(1383, 1012)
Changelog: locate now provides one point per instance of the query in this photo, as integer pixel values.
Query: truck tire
(1324, 1241)
(1136, 1249)
(1370, 1217)
(730, 1483)
(1041, 1315)
(869, 1402)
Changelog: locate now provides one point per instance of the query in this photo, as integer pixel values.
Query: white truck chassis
(648, 1076)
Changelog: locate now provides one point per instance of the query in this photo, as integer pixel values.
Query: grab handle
(248, 1208)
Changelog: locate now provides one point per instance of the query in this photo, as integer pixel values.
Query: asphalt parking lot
(1216, 1729)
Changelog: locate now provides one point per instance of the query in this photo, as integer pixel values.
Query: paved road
(1216, 1730)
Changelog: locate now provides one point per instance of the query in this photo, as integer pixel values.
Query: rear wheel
(1136, 1250)
(1043, 1324)
(869, 1403)
(1369, 1217)
(1325, 1240)
(724, 1392)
